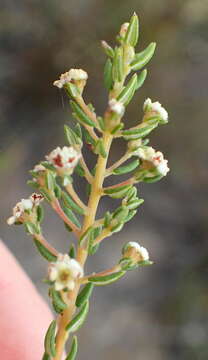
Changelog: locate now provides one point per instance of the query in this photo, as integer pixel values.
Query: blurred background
(158, 312)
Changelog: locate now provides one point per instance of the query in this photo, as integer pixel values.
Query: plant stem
(93, 202)
(75, 197)
(125, 157)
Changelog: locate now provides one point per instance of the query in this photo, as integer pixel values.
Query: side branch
(56, 206)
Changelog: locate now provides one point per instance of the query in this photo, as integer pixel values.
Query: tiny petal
(71, 75)
(64, 159)
(36, 198)
(147, 153)
(157, 108)
(11, 220)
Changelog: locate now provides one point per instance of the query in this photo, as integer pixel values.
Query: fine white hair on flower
(116, 107)
(157, 108)
(64, 272)
(155, 157)
(71, 75)
(65, 158)
(19, 209)
(142, 251)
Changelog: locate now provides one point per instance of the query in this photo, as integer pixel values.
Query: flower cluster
(155, 108)
(64, 272)
(64, 159)
(155, 158)
(135, 252)
(24, 206)
(73, 76)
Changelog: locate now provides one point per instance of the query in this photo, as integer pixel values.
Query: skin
(24, 317)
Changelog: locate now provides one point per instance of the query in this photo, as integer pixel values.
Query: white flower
(116, 107)
(64, 272)
(155, 157)
(19, 209)
(65, 158)
(140, 250)
(71, 76)
(157, 108)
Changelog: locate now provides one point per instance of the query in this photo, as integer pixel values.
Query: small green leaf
(127, 168)
(57, 191)
(45, 194)
(79, 170)
(69, 213)
(108, 80)
(74, 348)
(101, 123)
(133, 204)
(143, 57)
(117, 70)
(132, 213)
(49, 342)
(79, 319)
(84, 294)
(128, 92)
(107, 48)
(48, 166)
(44, 251)
(84, 238)
(153, 179)
(72, 251)
(71, 136)
(57, 301)
(145, 263)
(132, 33)
(78, 130)
(118, 227)
(40, 213)
(99, 149)
(139, 132)
(105, 280)
(121, 213)
(141, 79)
(72, 90)
(89, 139)
(49, 180)
(107, 219)
(117, 192)
(34, 184)
(80, 114)
(70, 203)
(32, 228)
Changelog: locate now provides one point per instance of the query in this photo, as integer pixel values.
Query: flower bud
(73, 76)
(153, 161)
(136, 253)
(123, 30)
(152, 109)
(23, 209)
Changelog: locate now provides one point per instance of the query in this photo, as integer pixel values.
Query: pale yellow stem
(117, 164)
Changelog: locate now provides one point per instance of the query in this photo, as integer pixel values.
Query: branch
(45, 243)
(124, 158)
(88, 175)
(56, 206)
(75, 197)
(110, 271)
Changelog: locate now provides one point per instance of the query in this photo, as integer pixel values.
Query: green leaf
(89, 139)
(45, 194)
(117, 192)
(141, 79)
(93, 235)
(116, 228)
(127, 168)
(70, 203)
(40, 213)
(34, 184)
(133, 204)
(57, 191)
(79, 319)
(74, 348)
(108, 80)
(128, 92)
(101, 123)
(107, 219)
(44, 251)
(48, 166)
(80, 115)
(72, 89)
(143, 57)
(153, 179)
(79, 170)
(105, 280)
(57, 301)
(84, 294)
(121, 213)
(84, 238)
(69, 213)
(72, 251)
(139, 132)
(145, 263)
(71, 136)
(132, 213)
(132, 33)
(32, 228)
(117, 70)
(132, 193)
(49, 180)
(107, 48)
(99, 149)
(78, 130)
(117, 128)
(49, 342)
